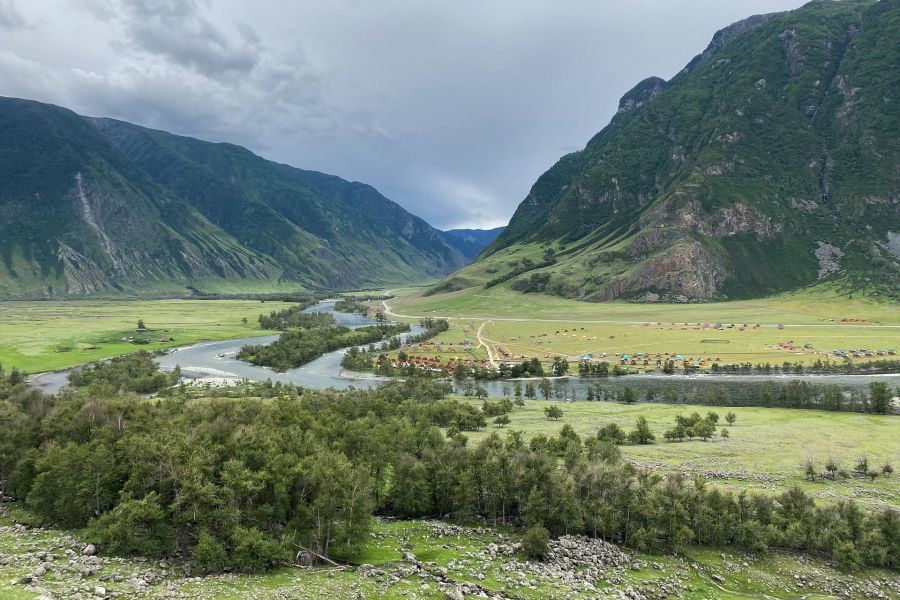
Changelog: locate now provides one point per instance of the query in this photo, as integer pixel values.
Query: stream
(216, 361)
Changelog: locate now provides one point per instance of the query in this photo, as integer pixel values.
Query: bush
(255, 551)
(209, 554)
(536, 542)
(135, 527)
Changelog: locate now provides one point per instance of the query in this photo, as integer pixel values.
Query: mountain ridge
(472, 241)
(768, 163)
(96, 206)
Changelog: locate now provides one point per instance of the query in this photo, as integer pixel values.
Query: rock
(454, 594)
(88, 571)
(100, 591)
(718, 579)
(636, 566)
(89, 550)
(409, 557)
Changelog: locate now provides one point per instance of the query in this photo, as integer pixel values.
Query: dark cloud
(177, 30)
(453, 109)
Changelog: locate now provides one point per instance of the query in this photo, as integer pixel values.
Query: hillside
(472, 241)
(100, 207)
(770, 162)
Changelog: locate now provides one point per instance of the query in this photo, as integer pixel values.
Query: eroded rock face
(829, 258)
(687, 270)
(739, 218)
(893, 243)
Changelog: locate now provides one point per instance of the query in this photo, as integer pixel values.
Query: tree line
(295, 318)
(130, 372)
(296, 348)
(248, 481)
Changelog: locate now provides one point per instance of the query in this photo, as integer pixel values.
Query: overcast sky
(452, 108)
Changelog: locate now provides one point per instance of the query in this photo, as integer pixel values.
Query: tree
(628, 395)
(530, 392)
(135, 527)
(546, 388)
(724, 434)
(730, 418)
(887, 469)
(612, 433)
(862, 465)
(517, 389)
(554, 413)
(809, 469)
(641, 434)
(560, 365)
(705, 429)
(879, 397)
(140, 324)
(409, 493)
(502, 420)
(713, 417)
(536, 542)
(209, 554)
(832, 466)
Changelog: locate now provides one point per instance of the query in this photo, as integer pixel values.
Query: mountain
(472, 241)
(97, 206)
(770, 162)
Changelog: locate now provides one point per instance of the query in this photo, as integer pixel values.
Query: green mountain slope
(95, 207)
(770, 162)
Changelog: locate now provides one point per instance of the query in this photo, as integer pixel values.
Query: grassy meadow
(766, 449)
(45, 336)
(529, 325)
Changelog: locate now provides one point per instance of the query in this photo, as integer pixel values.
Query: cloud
(452, 109)
(178, 31)
(11, 17)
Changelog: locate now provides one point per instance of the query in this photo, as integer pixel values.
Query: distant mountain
(97, 206)
(770, 162)
(472, 241)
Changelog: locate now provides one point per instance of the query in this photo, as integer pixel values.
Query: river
(215, 361)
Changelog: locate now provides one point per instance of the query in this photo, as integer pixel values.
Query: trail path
(483, 342)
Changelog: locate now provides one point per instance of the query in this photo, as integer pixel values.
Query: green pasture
(45, 336)
(528, 325)
(766, 450)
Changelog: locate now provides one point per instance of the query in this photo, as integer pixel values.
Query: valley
(672, 370)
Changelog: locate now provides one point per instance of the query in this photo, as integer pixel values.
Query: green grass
(766, 449)
(45, 336)
(518, 322)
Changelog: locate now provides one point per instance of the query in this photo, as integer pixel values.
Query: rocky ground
(427, 559)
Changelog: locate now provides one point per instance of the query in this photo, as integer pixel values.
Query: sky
(451, 108)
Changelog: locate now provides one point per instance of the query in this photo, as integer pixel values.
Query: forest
(248, 480)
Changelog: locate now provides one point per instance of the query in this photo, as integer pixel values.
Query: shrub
(536, 542)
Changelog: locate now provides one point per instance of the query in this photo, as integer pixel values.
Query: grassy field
(45, 336)
(766, 450)
(459, 554)
(528, 325)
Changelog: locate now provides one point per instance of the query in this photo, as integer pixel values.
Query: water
(699, 386)
(217, 360)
